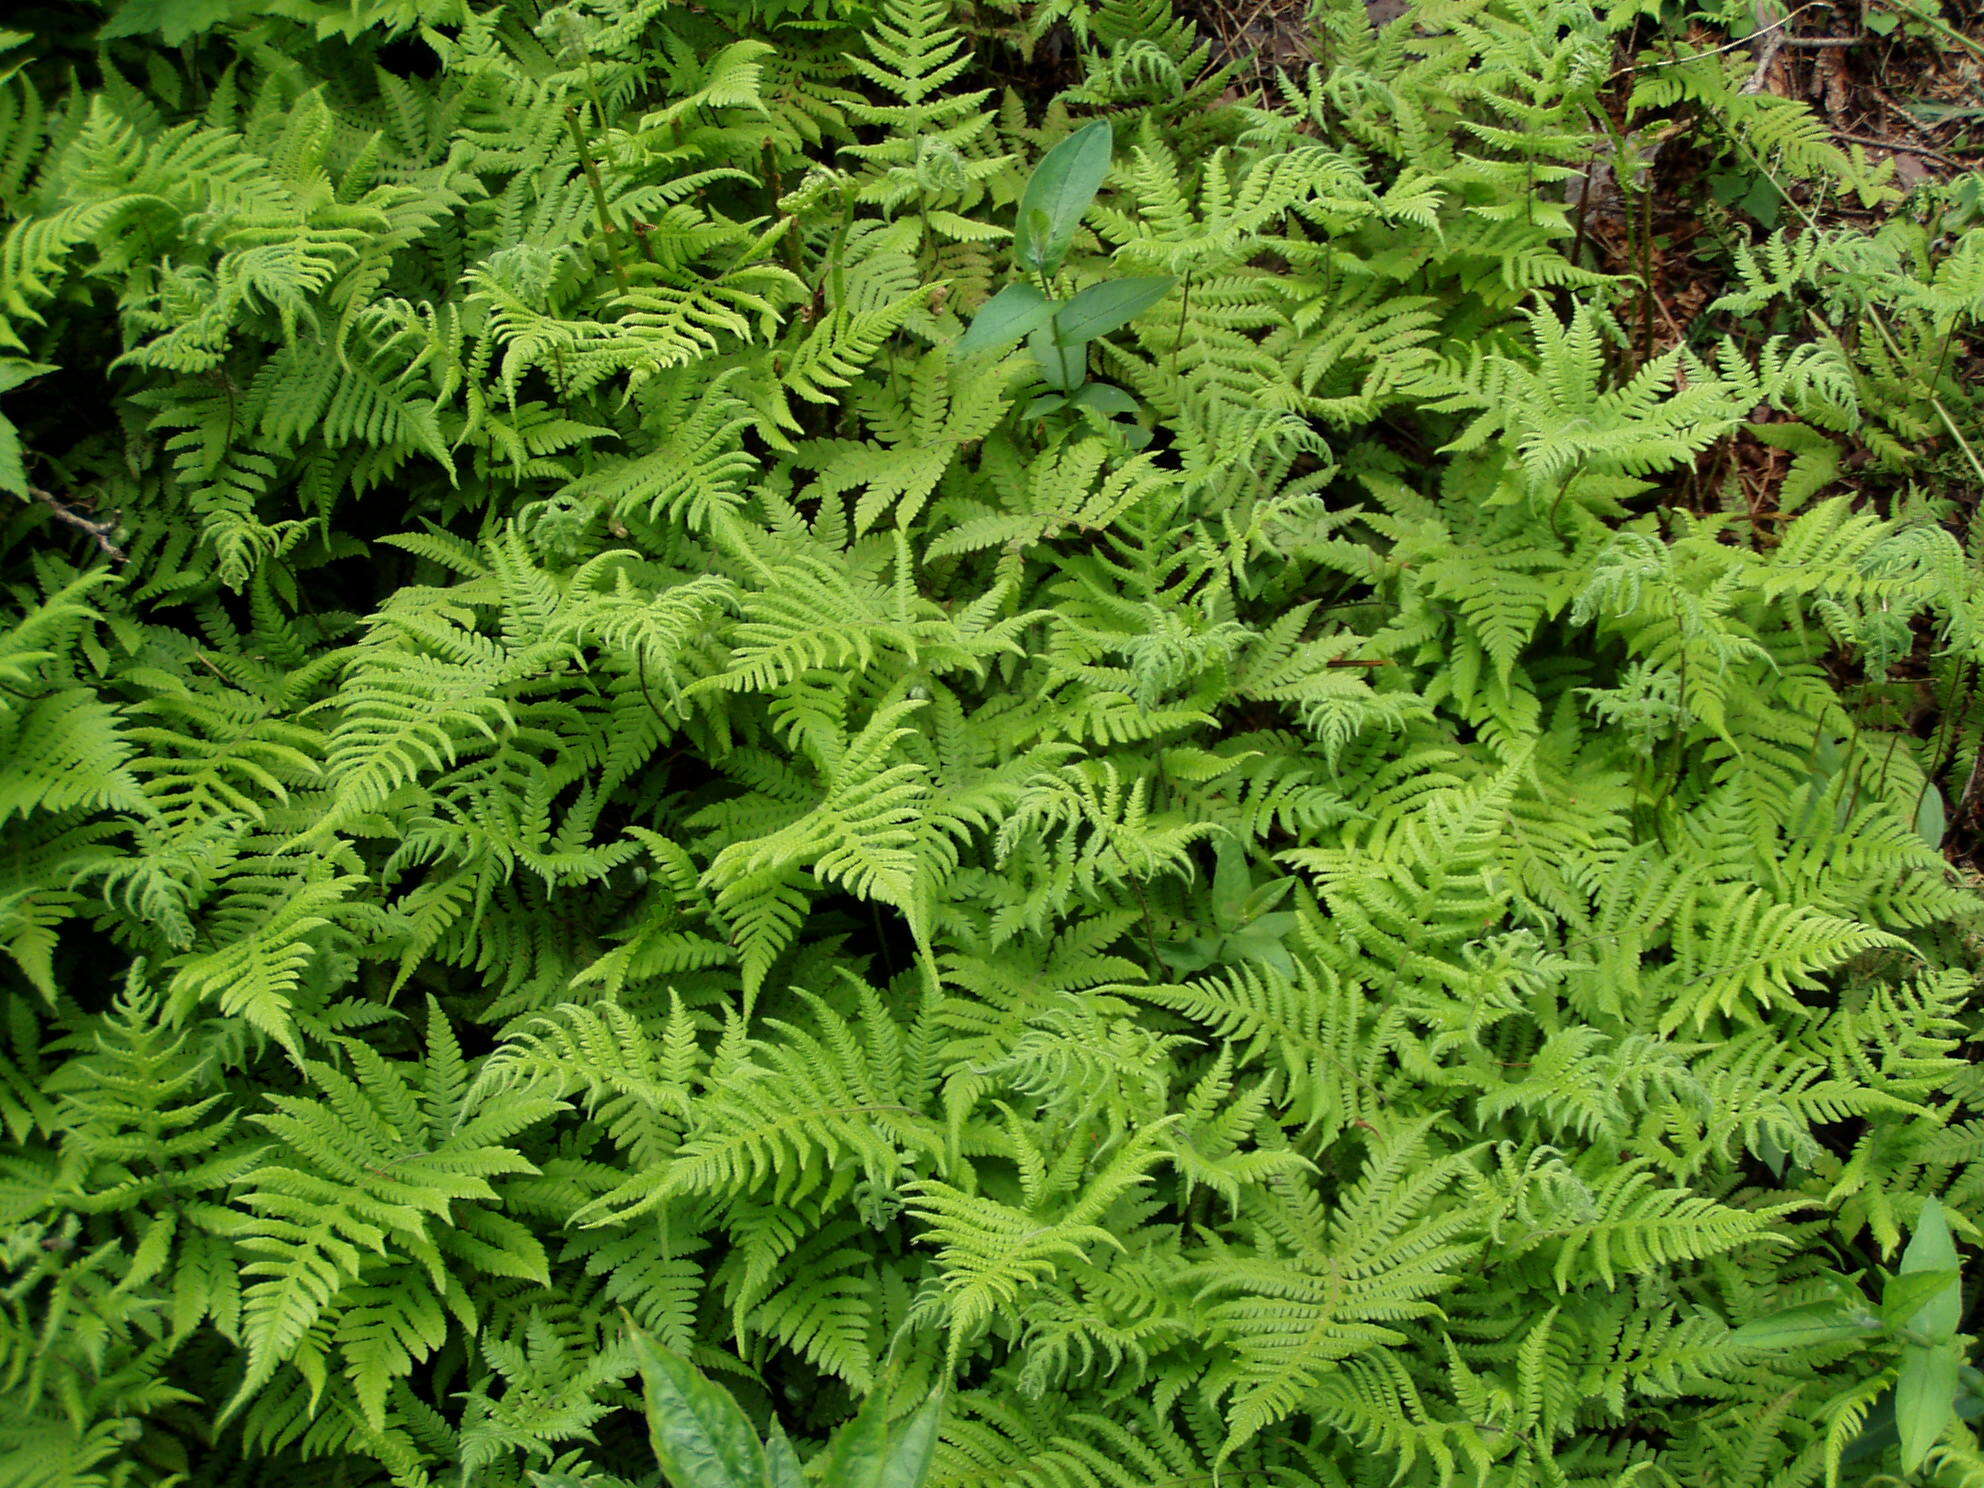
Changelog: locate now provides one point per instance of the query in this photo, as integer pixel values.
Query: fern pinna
(1293, 921)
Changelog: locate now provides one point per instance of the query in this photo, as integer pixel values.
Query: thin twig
(100, 531)
(1766, 59)
(1886, 100)
(1899, 149)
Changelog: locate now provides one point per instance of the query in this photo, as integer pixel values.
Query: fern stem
(1646, 274)
(1178, 342)
(606, 225)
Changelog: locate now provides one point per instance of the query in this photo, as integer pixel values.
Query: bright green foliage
(578, 786)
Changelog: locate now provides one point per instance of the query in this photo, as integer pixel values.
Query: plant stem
(606, 224)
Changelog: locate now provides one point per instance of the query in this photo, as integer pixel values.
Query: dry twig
(99, 531)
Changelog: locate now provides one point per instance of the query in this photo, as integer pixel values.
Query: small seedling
(1058, 331)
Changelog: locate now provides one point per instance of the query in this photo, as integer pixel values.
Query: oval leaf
(701, 1436)
(855, 1455)
(911, 1447)
(1925, 1398)
(867, 1453)
(1931, 819)
(781, 1462)
(1102, 308)
(1106, 399)
(1011, 315)
(1930, 1248)
(1800, 1327)
(1231, 883)
(1057, 194)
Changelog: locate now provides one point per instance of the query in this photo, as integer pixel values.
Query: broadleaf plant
(1057, 195)
(1920, 1311)
(1059, 331)
(702, 1438)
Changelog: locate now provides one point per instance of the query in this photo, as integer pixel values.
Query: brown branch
(1766, 59)
(99, 531)
(1896, 148)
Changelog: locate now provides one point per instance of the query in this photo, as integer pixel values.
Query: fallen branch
(1895, 148)
(99, 531)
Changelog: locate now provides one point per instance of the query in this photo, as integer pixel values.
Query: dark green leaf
(1231, 883)
(1102, 308)
(867, 1453)
(1256, 944)
(1063, 367)
(701, 1436)
(1057, 194)
(1925, 1398)
(1106, 399)
(1770, 1151)
(911, 1446)
(1931, 820)
(1801, 1327)
(1266, 897)
(858, 1450)
(1906, 1292)
(781, 1462)
(1009, 317)
(1930, 1248)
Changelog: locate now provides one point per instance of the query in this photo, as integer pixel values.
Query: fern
(1315, 904)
